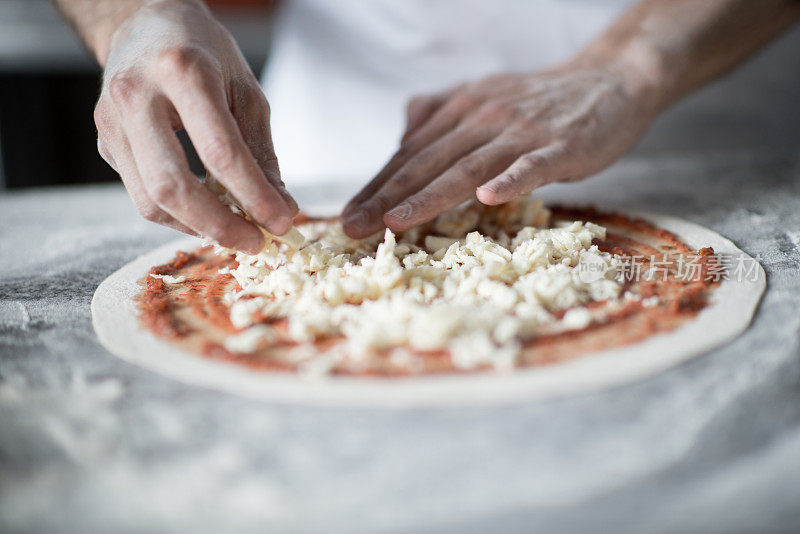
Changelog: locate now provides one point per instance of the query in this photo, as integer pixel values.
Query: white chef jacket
(341, 72)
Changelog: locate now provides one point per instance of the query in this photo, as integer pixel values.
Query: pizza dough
(733, 303)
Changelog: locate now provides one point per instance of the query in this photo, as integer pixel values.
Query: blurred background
(49, 84)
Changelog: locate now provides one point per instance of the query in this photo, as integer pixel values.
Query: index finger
(454, 186)
(442, 121)
(251, 113)
(199, 98)
(170, 184)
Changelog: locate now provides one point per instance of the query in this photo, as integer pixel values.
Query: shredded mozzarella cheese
(458, 290)
(169, 279)
(293, 238)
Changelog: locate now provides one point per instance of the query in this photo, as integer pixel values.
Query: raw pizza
(477, 289)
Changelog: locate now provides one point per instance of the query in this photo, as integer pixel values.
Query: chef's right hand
(171, 66)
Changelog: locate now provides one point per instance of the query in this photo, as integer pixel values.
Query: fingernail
(253, 245)
(401, 211)
(485, 195)
(279, 225)
(356, 220)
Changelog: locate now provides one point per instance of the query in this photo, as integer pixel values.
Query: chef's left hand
(501, 137)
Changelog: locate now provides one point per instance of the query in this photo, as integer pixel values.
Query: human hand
(501, 137)
(171, 66)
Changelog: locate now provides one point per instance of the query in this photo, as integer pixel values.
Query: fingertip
(401, 212)
(355, 223)
(487, 196)
(279, 225)
(253, 244)
(395, 223)
(351, 233)
(274, 213)
(355, 233)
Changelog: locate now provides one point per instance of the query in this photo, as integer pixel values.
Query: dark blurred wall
(47, 129)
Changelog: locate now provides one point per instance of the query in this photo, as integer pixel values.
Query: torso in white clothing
(341, 72)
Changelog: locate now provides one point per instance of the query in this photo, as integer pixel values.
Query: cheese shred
(456, 289)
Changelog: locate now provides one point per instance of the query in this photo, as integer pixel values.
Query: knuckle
(394, 191)
(511, 181)
(471, 166)
(219, 154)
(403, 152)
(532, 161)
(166, 190)
(527, 124)
(495, 109)
(531, 119)
(423, 159)
(464, 100)
(379, 204)
(526, 134)
(400, 180)
(261, 209)
(221, 233)
(423, 198)
(561, 149)
(178, 60)
(123, 88)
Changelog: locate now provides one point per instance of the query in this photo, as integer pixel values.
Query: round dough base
(730, 310)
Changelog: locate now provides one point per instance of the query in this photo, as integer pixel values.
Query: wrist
(641, 67)
(114, 24)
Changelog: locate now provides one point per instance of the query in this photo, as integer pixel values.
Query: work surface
(89, 443)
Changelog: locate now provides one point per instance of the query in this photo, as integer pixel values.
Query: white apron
(341, 72)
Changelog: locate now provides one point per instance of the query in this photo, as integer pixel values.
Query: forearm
(673, 47)
(96, 21)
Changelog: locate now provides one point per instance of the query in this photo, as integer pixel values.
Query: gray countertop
(89, 443)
